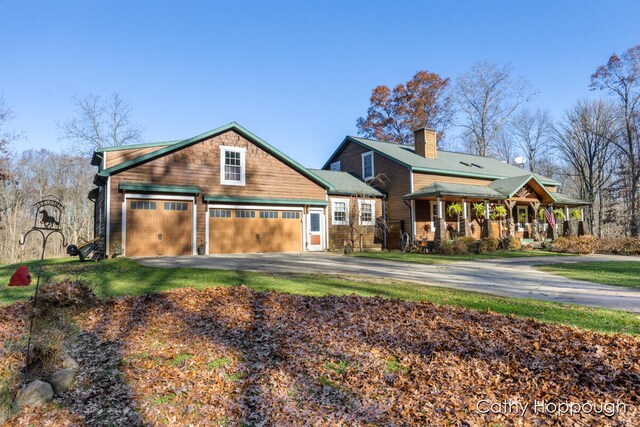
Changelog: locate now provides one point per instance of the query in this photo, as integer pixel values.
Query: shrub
(489, 244)
(445, 247)
(470, 242)
(625, 246)
(511, 243)
(460, 247)
(575, 245)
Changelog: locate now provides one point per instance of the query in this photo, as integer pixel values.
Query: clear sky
(298, 73)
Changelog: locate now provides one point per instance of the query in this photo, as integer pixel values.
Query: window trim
(372, 203)
(433, 205)
(363, 156)
(335, 166)
(346, 211)
(243, 151)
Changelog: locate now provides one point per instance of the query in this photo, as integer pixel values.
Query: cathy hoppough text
(515, 407)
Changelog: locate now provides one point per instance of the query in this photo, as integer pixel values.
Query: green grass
(442, 259)
(617, 273)
(123, 276)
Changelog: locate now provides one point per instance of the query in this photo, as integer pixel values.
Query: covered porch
(520, 206)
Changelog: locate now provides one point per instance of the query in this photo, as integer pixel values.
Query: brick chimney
(425, 143)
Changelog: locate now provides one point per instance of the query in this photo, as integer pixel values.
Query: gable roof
(96, 159)
(173, 147)
(346, 184)
(446, 163)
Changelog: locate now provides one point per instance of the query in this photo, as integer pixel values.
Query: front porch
(520, 207)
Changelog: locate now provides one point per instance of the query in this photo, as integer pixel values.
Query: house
(225, 191)
(420, 182)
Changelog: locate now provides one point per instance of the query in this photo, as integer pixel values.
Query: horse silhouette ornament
(48, 213)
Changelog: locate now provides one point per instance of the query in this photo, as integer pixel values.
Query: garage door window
(138, 204)
(290, 215)
(176, 206)
(245, 214)
(269, 214)
(219, 213)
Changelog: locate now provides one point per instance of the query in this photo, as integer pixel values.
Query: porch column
(566, 227)
(488, 227)
(552, 233)
(465, 230)
(441, 228)
(581, 231)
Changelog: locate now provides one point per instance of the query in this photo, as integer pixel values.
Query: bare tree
(487, 97)
(585, 139)
(503, 148)
(6, 114)
(533, 132)
(620, 77)
(99, 124)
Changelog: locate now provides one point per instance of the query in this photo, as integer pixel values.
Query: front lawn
(441, 259)
(120, 277)
(617, 273)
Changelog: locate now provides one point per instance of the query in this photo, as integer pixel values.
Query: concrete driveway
(509, 277)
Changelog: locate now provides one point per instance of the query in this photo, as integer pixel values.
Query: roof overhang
(159, 188)
(218, 198)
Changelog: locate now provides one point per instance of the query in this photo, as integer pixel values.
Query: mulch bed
(227, 356)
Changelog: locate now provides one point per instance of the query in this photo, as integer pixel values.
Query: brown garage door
(158, 227)
(233, 231)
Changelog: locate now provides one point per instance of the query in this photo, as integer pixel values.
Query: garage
(159, 227)
(235, 230)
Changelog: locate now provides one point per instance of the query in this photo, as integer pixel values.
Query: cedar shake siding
(199, 165)
(114, 158)
(395, 180)
(338, 234)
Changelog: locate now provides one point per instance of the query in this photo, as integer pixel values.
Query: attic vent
(465, 163)
(478, 166)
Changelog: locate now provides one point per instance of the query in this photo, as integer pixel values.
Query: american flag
(548, 214)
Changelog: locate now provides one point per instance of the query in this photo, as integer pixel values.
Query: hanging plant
(478, 209)
(454, 209)
(575, 214)
(499, 212)
(558, 214)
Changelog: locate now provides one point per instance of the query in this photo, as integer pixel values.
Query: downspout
(384, 221)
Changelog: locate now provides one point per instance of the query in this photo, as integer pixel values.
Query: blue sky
(298, 74)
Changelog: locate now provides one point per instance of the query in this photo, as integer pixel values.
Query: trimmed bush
(445, 247)
(460, 247)
(575, 245)
(470, 242)
(489, 244)
(511, 243)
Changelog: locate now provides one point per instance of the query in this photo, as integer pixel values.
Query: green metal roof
(159, 188)
(346, 184)
(561, 199)
(446, 163)
(510, 186)
(461, 190)
(187, 142)
(96, 159)
(262, 200)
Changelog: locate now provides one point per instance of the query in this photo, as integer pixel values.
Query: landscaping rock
(62, 380)
(69, 362)
(34, 394)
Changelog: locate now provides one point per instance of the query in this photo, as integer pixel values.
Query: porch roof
(439, 189)
(561, 199)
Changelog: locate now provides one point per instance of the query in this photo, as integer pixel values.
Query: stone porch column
(465, 228)
(441, 227)
(488, 227)
(566, 226)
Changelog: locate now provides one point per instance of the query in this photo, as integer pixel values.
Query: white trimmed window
(367, 165)
(367, 212)
(335, 166)
(232, 165)
(434, 214)
(523, 217)
(340, 211)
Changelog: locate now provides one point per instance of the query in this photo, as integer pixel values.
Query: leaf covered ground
(233, 356)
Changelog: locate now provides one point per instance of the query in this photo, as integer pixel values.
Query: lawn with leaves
(443, 259)
(234, 356)
(120, 277)
(617, 273)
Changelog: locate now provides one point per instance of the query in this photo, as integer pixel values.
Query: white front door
(315, 226)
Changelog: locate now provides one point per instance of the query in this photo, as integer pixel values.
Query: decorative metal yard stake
(48, 218)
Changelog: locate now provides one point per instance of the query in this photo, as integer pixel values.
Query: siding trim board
(262, 200)
(155, 188)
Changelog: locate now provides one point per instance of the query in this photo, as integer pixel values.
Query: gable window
(367, 212)
(367, 165)
(232, 162)
(335, 166)
(340, 209)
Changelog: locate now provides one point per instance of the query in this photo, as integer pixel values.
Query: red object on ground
(21, 277)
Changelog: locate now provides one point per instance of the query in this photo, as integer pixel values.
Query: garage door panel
(255, 232)
(158, 227)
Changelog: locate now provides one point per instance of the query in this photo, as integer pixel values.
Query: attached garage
(250, 229)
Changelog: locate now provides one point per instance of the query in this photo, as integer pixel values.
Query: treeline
(30, 175)
(593, 149)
